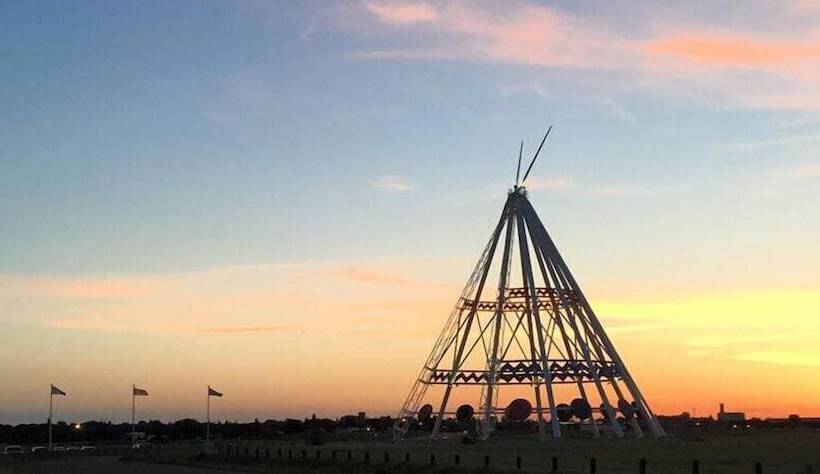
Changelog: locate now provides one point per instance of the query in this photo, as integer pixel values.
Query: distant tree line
(185, 429)
(313, 430)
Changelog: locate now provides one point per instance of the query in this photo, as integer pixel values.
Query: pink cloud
(731, 50)
(360, 275)
(276, 298)
(84, 288)
(695, 62)
(402, 13)
(807, 170)
(516, 33)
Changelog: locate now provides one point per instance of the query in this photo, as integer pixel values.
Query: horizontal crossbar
(525, 372)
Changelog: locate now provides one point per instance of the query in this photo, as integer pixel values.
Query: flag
(213, 393)
(138, 392)
(56, 391)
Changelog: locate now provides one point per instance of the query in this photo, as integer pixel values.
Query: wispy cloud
(392, 183)
(555, 183)
(623, 191)
(360, 275)
(806, 170)
(514, 33)
(799, 359)
(732, 50)
(402, 13)
(569, 184)
(271, 297)
(98, 323)
(250, 329)
(787, 141)
(740, 339)
(120, 323)
(602, 103)
(84, 288)
(672, 57)
(620, 325)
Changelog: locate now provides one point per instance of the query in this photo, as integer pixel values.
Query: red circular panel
(581, 409)
(564, 412)
(464, 412)
(626, 409)
(518, 410)
(425, 412)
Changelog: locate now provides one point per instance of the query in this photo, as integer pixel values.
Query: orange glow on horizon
(280, 347)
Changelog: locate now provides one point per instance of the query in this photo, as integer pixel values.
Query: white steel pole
(488, 402)
(50, 413)
(470, 316)
(133, 416)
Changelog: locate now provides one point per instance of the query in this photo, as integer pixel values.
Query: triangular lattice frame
(547, 321)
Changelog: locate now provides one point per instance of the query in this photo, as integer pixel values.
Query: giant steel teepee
(521, 331)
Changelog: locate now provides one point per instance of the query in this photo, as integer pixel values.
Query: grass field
(787, 451)
(781, 452)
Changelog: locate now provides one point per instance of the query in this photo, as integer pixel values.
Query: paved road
(100, 465)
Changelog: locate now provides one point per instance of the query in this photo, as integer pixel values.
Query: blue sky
(143, 139)
(149, 137)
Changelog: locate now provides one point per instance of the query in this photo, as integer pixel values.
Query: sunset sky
(283, 199)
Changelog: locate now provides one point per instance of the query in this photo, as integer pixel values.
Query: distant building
(137, 436)
(730, 416)
(793, 420)
(352, 423)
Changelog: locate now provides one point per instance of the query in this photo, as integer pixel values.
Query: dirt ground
(98, 465)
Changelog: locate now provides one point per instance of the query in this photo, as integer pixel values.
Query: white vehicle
(144, 445)
(58, 448)
(12, 449)
(88, 448)
(39, 450)
(73, 448)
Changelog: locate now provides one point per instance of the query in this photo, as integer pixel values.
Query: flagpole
(208, 416)
(133, 415)
(50, 412)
